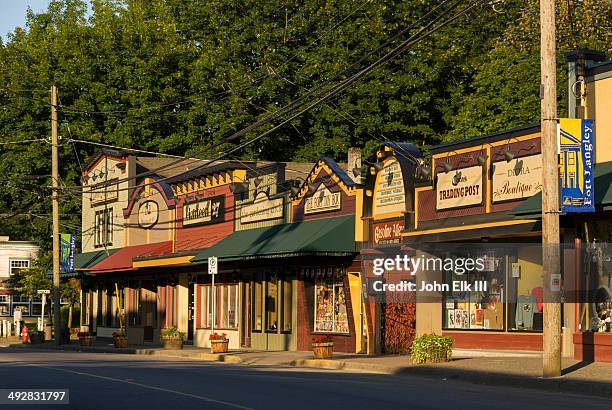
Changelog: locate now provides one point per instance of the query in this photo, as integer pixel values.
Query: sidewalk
(506, 368)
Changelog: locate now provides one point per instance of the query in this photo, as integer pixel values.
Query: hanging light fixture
(357, 171)
(379, 165)
(482, 158)
(518, 167)
(508, 155)
(448, 167)
(257, 181)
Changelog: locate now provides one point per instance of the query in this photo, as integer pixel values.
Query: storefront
(388, 206)
(470, 208)
(297, 276)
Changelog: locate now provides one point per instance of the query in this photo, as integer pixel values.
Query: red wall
(204, 236)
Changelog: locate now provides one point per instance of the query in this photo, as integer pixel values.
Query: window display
(330, 307)
(477, 309)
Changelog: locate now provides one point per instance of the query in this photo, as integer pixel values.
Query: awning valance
(321, 237)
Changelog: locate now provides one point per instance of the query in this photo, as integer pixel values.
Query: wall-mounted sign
(148, 213)
(459, 188)
(517, 179)
(210, 210)
(576, 160)
(262, 209)
(389, 194)
(388, 232)
(323, 200)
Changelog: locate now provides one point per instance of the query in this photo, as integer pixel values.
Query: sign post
(212, 270)
(41, 322)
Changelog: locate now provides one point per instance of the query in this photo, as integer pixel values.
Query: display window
(226, 305)
(330, 307)
(512, 300)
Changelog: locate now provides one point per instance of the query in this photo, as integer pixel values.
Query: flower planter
(121, 341)
(219, 346)
(86, 339)
(172, 342)
(323, 350)
(36, 337)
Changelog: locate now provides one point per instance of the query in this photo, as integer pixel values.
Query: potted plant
(85, 338)
(120, 338)
(431, 348)
(322, 347)
(218, 342)
(172, 338)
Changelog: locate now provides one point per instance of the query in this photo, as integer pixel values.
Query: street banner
(576, 164)
(67, 247)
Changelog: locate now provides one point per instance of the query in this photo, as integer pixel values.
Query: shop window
(25, 309)
(330, 307)
(525, 291)
(271, 305)
(476, 309)
(17, 265)
(257, 305)
(4, 309)
(103, 227)
(226, 306)
(36, 309)
(286, 306)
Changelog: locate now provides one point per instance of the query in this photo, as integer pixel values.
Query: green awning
(83, 261)
(321, 237)
(532, 207)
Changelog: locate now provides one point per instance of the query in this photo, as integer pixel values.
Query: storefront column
(428, 304)
(183, 302)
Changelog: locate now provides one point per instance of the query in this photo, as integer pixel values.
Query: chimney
(354, 164)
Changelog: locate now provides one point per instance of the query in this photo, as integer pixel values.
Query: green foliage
(176, 76)
(431, 348)
(173, 332)
(29, 281)
(66, 314)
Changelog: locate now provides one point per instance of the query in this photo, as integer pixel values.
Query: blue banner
(576, 162)
(67, 247)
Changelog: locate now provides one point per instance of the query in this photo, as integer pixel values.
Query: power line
(23, 142)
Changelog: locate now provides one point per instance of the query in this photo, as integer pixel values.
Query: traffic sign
(212, 265)
(43, 291)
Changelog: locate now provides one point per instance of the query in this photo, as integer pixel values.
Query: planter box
(121, 341)
(172, 342)
(86, 340)
(36, 337)
(219, 346)
(323, 350)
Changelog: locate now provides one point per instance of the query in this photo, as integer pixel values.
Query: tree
(71, 292)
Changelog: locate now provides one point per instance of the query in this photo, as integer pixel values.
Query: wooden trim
(490, 144)
(469, 227)
(177, 260)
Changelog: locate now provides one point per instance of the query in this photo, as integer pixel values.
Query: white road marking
(146, 386)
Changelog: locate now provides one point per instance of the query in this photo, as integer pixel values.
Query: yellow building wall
(530, 260)
(599, 101)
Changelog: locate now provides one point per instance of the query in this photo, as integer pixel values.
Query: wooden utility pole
(551, 364)
(57, 327)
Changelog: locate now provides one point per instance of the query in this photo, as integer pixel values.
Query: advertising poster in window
(576, 162)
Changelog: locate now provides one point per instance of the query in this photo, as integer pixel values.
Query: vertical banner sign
(67, 247)
(576, 162)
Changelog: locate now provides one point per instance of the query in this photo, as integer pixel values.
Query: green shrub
(173, 332)
(431, 349)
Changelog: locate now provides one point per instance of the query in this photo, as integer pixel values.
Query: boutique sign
(210, 210)
(517, 179)
(460, 188)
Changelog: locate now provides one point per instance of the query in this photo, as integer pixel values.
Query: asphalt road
(114, 381)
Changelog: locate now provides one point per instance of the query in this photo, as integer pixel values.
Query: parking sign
(212, 265)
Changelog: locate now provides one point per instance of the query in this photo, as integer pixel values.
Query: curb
(211, 357)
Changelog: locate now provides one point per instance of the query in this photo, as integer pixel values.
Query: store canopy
(83, 261)
(532, 207)
(121, 260)
(321, 237)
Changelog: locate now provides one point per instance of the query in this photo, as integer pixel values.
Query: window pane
(233, 291)
(4, 310)
(257, 316)
(271, 303)
(224, 308)
(324, 307)
(286, 305)
(340, 315)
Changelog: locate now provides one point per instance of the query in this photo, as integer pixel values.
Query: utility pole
(57, 327)
(551, 364)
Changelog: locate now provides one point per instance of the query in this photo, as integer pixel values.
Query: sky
(13, 13)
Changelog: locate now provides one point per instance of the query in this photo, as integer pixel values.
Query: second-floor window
(103, 227)
(18, 264)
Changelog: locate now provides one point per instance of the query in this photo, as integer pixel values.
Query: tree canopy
(176, 76)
